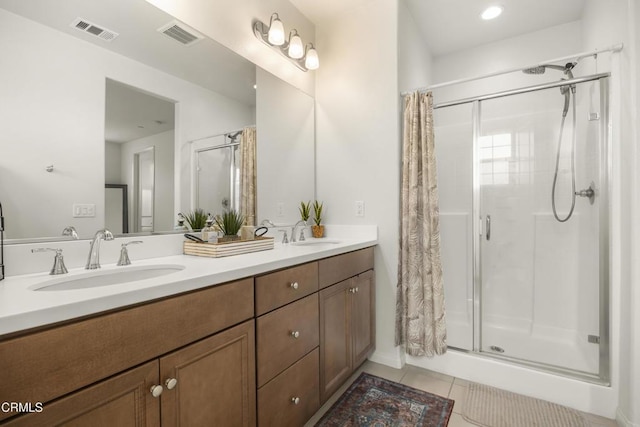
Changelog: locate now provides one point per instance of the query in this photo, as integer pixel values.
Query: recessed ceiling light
(491, 12)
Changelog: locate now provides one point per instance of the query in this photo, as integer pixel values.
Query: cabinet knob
(156, 390)
(295, 334)
(357, 290)
(171, 383)
(294, 285)
(352, 290)
(295, 400)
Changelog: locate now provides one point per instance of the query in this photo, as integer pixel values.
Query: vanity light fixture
(293, 49)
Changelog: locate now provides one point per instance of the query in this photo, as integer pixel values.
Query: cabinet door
(363, 317)
(215, 381)
(124, 400)
(335, 337)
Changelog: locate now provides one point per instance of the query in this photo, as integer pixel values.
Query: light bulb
(276, 31)
(296, 49)
(312, 62)
(491, 12)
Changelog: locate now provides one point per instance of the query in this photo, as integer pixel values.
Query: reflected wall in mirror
(55, 111)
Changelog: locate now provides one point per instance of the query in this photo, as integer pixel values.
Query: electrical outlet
(280, 209)
(359, 208)
(84, 210)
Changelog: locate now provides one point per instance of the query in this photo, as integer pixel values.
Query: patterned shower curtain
(420, 309)
(248, 176)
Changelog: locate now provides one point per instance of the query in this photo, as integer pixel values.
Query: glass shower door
(540, 278)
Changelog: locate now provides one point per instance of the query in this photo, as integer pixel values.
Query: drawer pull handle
(295, 400)
(171, 383)
(156, 390)
(294, 285)
(295, 334)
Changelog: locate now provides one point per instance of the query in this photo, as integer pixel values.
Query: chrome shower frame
(602, 194)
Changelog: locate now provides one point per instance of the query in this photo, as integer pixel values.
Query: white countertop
(22, 308)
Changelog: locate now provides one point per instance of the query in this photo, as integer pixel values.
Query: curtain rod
(613, 48)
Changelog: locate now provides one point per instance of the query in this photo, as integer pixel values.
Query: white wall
(414, 59)
(357, 128)
(231, 24)
(113, 164)
(608, 23)
(55, 115)
(285, 149)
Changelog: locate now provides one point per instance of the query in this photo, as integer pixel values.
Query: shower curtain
(248, 176)
(420, 309)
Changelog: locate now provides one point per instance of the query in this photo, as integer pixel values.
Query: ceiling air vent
(181, 33)
(93, 29)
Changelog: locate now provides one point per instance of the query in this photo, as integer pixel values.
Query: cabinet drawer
(285, 335)
(44, 365)
(282, 287)
(341, 267)
(277, 400)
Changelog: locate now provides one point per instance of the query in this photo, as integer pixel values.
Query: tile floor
(432, 382)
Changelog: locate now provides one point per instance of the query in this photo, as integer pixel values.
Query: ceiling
(453, 25)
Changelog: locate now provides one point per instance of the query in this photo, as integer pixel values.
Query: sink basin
(96, 279)
(316, 242)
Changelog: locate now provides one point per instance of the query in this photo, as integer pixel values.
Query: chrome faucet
(293, 231)
(93, 262)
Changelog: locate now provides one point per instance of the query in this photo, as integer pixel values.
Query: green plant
(230, 222)
(305, 210)
(317, 212)
(196, 219)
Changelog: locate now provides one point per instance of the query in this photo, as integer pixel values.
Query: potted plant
(230, 224)
(305, 211)
(317, 229)
(196, 219)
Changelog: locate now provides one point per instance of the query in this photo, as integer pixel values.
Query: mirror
(62, 157)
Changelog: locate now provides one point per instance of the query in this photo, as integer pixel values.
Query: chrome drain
(496, 349)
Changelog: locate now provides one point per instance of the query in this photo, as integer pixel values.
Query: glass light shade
(296, 49)
(312, 62)
(276, 32)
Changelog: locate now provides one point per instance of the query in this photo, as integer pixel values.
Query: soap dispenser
(180, 225)
(209, 233)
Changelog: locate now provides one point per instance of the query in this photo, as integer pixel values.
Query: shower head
(540, 69)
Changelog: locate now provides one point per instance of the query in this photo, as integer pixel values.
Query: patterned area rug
(374, 401)
(492, 407)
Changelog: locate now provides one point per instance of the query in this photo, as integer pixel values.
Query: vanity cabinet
(95, 356)
(347, 319)
(264, 351)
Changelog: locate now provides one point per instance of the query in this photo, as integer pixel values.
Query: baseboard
(623, 421)
(394, 360)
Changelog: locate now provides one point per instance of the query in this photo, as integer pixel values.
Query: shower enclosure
(521, 285)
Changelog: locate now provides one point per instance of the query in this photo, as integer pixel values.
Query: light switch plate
(84, 210)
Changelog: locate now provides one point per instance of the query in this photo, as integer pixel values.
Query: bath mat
(491, 407)
(374, 401)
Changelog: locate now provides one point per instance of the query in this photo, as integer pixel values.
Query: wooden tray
(237, 247)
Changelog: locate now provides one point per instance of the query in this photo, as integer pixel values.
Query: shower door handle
(488, 227)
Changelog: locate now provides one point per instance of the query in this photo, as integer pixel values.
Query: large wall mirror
(103, 113)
